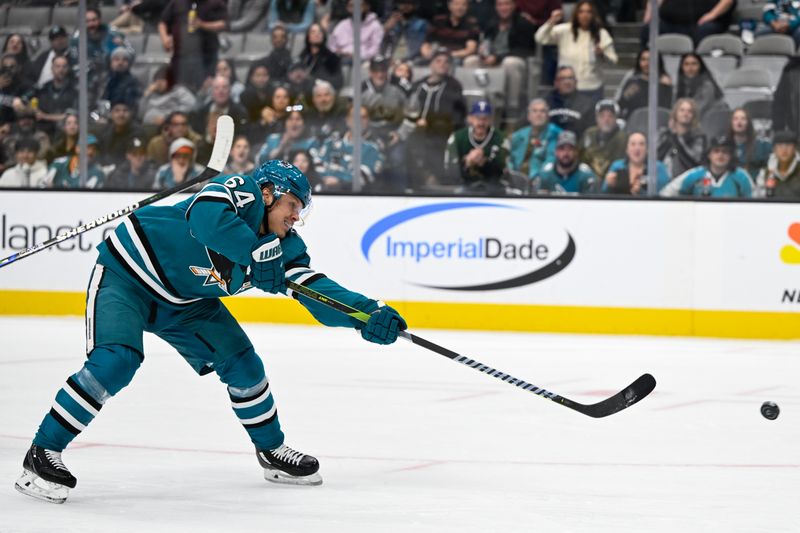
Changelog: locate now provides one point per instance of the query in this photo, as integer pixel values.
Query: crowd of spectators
(420, 130)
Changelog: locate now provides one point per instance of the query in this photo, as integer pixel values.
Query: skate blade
(36, 487)
(277, 476)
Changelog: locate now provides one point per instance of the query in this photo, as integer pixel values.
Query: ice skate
(44, 476)
(285, 465)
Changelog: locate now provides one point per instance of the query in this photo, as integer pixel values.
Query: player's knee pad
(242, 372)
(112, 366)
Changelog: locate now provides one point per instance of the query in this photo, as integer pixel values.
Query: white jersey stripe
(261, 397)
(259, 418)
(142, 275)
(297, 270)
(224, 193)
(68, 417)
(83, 403)
(137, 243)
(91, 298)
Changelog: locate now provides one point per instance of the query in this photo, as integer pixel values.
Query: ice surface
(410, 441)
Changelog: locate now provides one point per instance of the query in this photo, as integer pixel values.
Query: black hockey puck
(770, 410)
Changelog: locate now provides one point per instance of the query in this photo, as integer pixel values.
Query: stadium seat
(745, 84)
(716, 121)
(480, 83)
(154, 51)
(35, 18)
(143, 73)
(770, 52)
(108, 13)
(637, 121)
(760, 112)
(721, 53)
(256, 46)
(3, 15)
(672, 46)
(231, 44)
(66, 16)
(137, 42)
(297, 44)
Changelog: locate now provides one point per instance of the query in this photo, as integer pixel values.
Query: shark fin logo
(790, 253)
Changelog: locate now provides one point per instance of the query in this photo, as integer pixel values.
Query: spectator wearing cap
(181, 166)
(336, 158)
(718, 177)
(39, 70)
(535, 144)
(566, 175)
(456, 31)
(321, 61)
(508, 44)
(117, 134)
(56, 96)
(341, 41)
(295, 16)
(476, 155)
(64, 172)
(101, 40)
(780, 177)
(137, 172)
(121, 84)
(604, 142)
(162, 97)
(278, 60)
(682, 144)
(583, 44)
(25, 127)
(327, 116)
(404, 31)
(29, 171)
(629, 175)
(436, 108)
(385, 102)
(194, 44)
(569, 108)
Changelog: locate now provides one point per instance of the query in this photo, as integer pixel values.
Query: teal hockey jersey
(200, 248)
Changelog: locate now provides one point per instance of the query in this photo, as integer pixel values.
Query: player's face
(284, 214)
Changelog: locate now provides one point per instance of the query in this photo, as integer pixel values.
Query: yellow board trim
(490, 317)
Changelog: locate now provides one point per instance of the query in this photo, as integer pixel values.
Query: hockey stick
(628, 396)
(219, 156)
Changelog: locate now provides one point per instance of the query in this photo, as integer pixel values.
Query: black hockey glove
(266, 270)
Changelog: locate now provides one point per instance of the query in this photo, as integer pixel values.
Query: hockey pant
(118, 312)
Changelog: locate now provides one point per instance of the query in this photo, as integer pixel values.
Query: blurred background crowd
(485, 97)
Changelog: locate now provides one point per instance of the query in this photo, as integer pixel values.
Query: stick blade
(222, 143)
(633, 393)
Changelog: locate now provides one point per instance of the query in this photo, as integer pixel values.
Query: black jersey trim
(209, 199)
(83, 394)
(60, 419)
(137, 227)
(238, 399)
(262, 423)
(114, 252)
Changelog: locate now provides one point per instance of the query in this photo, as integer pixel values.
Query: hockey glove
(383, 325)
(266, 269)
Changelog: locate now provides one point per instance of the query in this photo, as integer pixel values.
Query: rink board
(561, 265)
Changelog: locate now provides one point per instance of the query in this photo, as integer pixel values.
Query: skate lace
(55, 459)
(284, 453)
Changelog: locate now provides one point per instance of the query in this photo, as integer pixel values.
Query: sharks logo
(220, 272)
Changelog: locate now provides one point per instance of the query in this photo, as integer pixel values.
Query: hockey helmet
(284, 177)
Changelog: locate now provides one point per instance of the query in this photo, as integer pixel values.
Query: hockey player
(720, 177)
(163, 270)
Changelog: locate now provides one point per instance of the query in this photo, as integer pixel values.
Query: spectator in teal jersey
(566, 175)
(719, 177)
(181, 166)
(294, 137)
(65, 171)
(629, 175)
(534, 145)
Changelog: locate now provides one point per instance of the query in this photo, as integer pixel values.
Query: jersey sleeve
(224, 216)
(299, 270)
